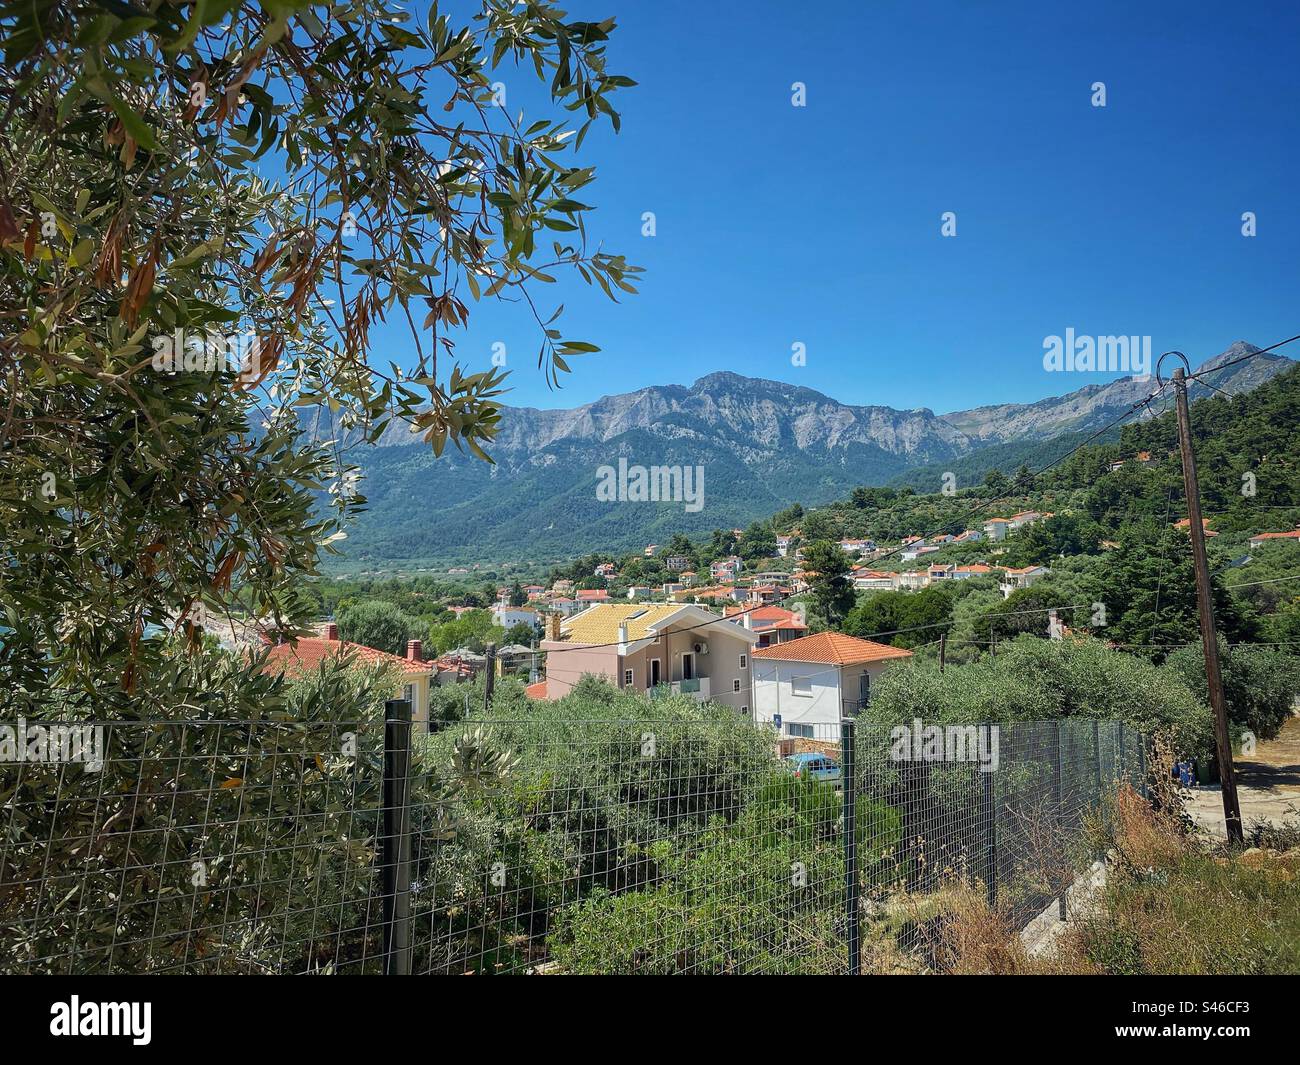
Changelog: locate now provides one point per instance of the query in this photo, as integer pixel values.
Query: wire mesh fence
(693, 842)
(195, 847)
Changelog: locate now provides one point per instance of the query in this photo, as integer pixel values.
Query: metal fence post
(989, 830)
(1142, 765)
(1060, 810)
(395, 844)
(849, 783)
(1096, 748)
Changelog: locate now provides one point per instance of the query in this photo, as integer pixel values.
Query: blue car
(817, 766)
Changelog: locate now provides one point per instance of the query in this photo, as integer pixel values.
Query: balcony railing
(697, 686)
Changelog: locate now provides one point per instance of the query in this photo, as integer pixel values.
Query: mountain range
(762, 445)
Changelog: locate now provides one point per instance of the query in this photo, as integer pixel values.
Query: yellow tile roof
(600, 623)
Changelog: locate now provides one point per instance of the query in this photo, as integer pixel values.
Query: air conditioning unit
(701, 648)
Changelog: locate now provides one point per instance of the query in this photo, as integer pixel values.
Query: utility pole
(943, 644)
(1205, 603)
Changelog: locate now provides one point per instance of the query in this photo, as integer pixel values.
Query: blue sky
(821, 224)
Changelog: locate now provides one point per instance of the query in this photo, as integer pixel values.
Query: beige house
(645, 646)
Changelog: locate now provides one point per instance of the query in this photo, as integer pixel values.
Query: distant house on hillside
(1260, 539)
(644, 646)
(677, 563)
(870, 580)
(996, 528)
(1186, 523)
(1026, 576)
(805, 686)
(506, 616)
(592, 595)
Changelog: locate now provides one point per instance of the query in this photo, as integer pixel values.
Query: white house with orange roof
(996, 528)
(805, 686)
(1014, 579)
(871, 580)
(1261, 539)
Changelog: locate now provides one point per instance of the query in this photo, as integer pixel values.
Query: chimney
(331, 631)
(553, 627)
(414, 651)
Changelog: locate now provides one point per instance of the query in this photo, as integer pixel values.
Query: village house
(305, 657)
(870, 580)
(1186, 523)
(506, 616)
(1260, 539)
(723, 593)
(640, 591)
(677, 563)
(591, 595)
(996, 528)
(725, 568)
(772, 624)
(641, 647)
(1024, 577)
(804, 686)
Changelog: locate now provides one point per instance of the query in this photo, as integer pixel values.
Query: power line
(1243, 358)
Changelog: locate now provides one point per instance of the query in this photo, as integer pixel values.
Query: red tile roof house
(592, 595)
(1263, 538)
(808, 684)
(1186, 523)
(771, 624)
(306, 656)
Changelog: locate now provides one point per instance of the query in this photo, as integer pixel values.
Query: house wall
(774, 694)
(833, 692)
(417, 690)
(572, 661)
(721, 665)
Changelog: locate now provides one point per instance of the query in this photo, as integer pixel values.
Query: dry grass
(1169, 906)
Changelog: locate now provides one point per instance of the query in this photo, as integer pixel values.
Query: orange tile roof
(1293, 535)
(537, 691)
(832, 648)
(313, 650)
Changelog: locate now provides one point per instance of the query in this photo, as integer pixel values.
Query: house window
(735, 685)
(803, 732)
(801, 685)
(744, 709)
(627, 678)
(744, 661)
